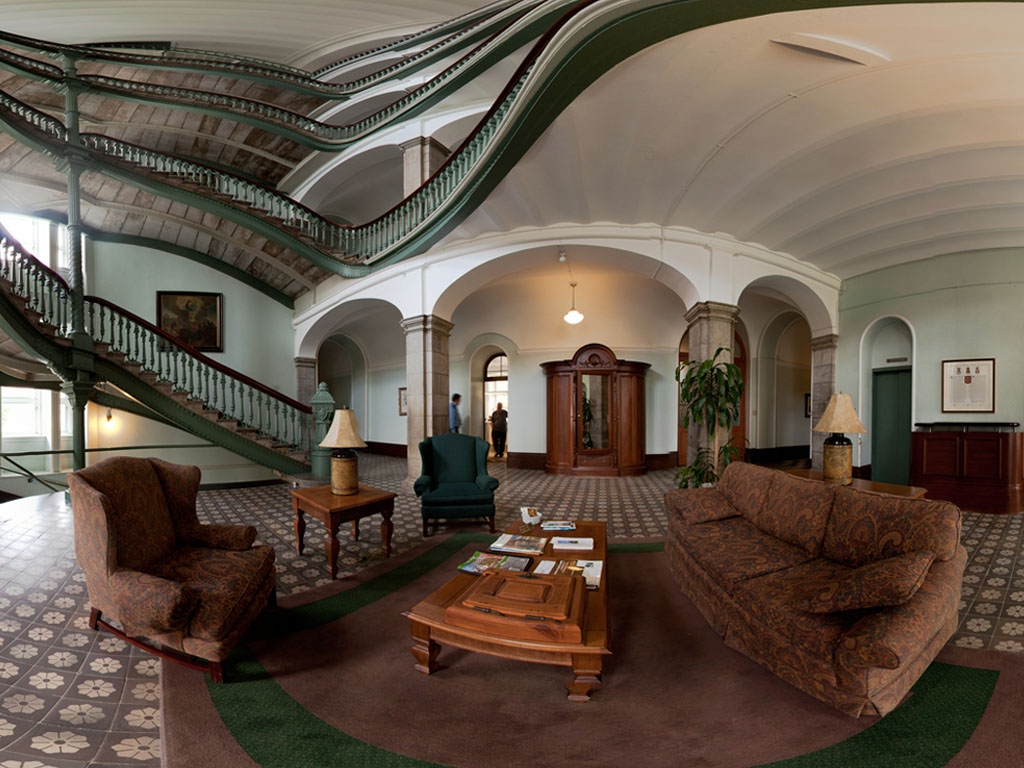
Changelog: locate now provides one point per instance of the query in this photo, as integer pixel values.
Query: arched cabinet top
(595, 358)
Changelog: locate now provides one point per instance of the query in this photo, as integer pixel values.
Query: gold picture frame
(192, 318)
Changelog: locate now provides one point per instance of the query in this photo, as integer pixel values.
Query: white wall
(258, 342)
(258, 339)
(954, 307)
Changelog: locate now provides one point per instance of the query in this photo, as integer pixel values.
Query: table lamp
(839, 417)
(343, 436)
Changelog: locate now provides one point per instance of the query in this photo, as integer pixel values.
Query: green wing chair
(455, 482)
(179, 588)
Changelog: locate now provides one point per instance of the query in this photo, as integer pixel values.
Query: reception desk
(976, 465)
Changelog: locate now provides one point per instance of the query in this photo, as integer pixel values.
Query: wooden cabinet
(596, 418)
(976, 466)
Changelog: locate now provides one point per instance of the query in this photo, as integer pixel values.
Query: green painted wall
(954, 307)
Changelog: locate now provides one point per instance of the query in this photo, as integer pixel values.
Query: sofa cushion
(734, 550)
(866, 527)
(796, 510)
(770, 601)
(746, 487)
(448, 494)
(698, 505)
(225, 584)
(882, 583)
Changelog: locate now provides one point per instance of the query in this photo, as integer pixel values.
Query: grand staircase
(175, 382)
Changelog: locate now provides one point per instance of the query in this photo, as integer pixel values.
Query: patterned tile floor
(70, 697)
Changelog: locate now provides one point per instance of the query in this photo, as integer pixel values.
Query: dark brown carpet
(673, 694)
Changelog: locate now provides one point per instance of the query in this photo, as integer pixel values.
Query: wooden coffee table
(333, 510)
(430, 630)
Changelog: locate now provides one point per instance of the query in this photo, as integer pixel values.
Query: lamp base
(837, 459)
(344, 473)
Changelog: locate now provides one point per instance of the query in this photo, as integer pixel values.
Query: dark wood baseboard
(657, 461)
(520, 460)
(396, 450)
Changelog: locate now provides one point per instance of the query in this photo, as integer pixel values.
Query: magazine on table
(481, 561)
(558, 525)
(568, 542)
(518, 544)
(590, 570)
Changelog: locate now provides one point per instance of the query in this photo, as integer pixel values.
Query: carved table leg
(355, 530)
(332, 548)
(586, 671)
(386, 529)
(424, 650)
(300, 526)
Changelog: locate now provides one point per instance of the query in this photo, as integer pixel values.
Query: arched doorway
(495, 391)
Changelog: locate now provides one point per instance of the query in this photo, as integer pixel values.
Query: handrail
(363, 244)
(218, 388)
(25, 472)
(324, 232)
(252, 67)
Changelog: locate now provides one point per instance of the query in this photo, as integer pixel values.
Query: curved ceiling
(851, 138)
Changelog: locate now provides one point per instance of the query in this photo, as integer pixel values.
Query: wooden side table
(333, 510)
(913, 491)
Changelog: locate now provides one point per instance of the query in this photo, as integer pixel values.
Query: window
(41, 238)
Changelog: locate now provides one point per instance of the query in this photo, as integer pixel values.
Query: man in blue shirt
(454, 419)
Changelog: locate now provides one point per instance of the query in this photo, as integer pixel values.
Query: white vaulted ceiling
(850, 138)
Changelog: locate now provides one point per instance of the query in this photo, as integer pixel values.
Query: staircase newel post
(77, 392)
(323, 411)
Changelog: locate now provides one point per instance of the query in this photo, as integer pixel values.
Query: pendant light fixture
(573, 316)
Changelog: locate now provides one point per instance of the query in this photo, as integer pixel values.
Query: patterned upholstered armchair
(178, 588)
(455, 482)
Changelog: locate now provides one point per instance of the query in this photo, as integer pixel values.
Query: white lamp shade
(344, 431)
(840, 416)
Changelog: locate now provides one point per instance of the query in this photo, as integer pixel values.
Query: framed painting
(403, 401)
(193, 318)
(969, 386)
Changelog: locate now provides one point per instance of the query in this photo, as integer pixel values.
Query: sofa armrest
(486, 482)
(234, 537)
(150, 605)
(422, 484)
(889, 637)
(699, 505)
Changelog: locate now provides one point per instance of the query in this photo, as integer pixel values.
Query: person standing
(499, 430)
(454, 417)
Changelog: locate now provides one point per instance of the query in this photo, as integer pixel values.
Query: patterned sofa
(846, 594)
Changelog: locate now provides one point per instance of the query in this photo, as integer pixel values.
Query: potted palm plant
(711, 390)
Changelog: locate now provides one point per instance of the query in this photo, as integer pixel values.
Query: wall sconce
(343, 436)
(840, 416)
(110, 415)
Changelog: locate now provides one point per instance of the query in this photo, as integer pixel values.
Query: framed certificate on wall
(969, 386)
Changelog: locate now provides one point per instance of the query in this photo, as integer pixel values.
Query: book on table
(519, 544)
(569, 542)
(481, 561)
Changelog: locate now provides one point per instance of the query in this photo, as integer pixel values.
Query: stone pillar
(823, 384)
(426, 371)
(323, 411)
(421, 158)
(305, 379)
(711, 325)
